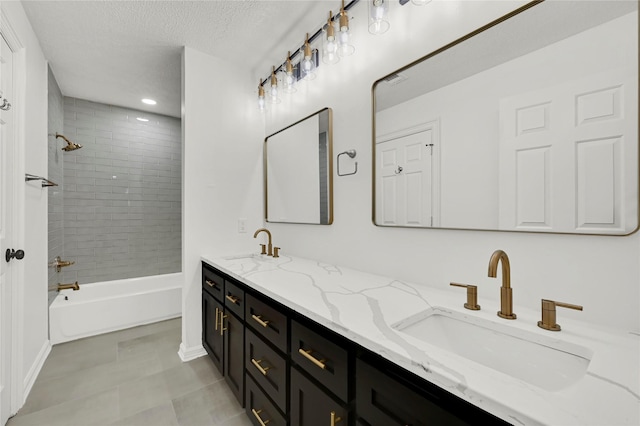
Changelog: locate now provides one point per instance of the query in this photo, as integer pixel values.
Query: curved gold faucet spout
(496, 257)
(270, 245)
(506, 292)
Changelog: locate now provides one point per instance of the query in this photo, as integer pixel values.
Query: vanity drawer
(323, 359)
(384, 401)
(212, 283)
(234, 298)
(267, 321)
(260, 408)
(267, 367)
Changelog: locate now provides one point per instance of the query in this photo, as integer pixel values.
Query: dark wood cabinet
(384, 401)
(324, 360)
(267, 321)
(268, 368)
(260, 409)
(311, 406)
(233, 360)
(212, 338)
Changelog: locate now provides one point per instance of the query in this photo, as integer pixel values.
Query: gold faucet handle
(549, 314)
(264, 249)
(472, 296)
(276, 252)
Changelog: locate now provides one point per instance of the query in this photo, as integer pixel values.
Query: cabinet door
(234, 354)
(383, 401)
(212, 338)
(310, 406)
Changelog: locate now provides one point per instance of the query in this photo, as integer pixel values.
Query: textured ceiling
(117, 52)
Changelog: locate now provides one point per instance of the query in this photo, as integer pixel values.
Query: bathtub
(114, 305)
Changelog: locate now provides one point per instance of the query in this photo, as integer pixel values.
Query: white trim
(189, 354)
(17, 291)
(35, 369)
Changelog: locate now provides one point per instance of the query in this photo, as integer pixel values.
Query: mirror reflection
(531, 125)
(298, 172)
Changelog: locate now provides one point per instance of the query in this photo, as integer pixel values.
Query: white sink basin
(544, 361)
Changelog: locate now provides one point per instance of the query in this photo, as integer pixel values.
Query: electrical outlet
(242, 226)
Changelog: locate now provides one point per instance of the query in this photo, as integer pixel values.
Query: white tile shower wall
(122, 195)
(55, 116)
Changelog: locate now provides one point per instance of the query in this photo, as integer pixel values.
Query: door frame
(432, 124)
(18, 213)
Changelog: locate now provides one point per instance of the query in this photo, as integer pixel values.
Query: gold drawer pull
(262, 369)
(256, 413)
(334, 419)
(260, 321)
(211, 283)
(222, 317)
(307, 354)
(216, 326)
(232, 299)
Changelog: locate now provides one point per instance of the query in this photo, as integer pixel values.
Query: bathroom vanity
(302, 342)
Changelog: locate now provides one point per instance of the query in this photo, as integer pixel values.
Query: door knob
(11, 253)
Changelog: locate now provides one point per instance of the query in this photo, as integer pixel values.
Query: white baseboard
(189, 354)
(37, 365)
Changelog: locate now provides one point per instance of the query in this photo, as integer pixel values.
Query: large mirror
(528, 124)
(298, 175)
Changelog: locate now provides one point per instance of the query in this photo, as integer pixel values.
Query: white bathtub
(114, 305)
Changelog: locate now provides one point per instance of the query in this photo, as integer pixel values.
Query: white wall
(601, 273)
(31, 109)
(222, 174)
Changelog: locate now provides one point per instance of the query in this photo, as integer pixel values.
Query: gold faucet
(74, 286)
(506, 295)
(58, 263)
(269, 246)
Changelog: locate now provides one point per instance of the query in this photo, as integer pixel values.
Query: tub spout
(74, 286)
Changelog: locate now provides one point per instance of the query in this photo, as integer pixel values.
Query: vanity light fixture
(345, 39)
(261, 102)
(149, 101)
(273, 92)
(289, 77)
(378, 16)
(308, 62)
(330, 43)
(420, 2)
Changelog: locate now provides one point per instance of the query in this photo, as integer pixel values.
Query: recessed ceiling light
(142, 119)
(149, 101)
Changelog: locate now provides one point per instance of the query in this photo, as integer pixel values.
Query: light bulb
(330, 49)
(378, 16)
(346, 47)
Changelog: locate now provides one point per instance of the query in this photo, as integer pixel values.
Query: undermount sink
(546, 362)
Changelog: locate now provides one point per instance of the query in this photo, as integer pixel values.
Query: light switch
(242, 226)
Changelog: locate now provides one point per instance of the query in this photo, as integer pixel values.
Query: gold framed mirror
(298, 171)
(527, 124)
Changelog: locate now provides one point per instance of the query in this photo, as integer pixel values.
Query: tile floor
(129, 377)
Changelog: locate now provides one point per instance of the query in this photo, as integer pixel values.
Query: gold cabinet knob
(549, 314)
(472, 296)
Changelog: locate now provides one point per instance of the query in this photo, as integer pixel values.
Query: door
(6, 241)
(405, 181)
(568, 156)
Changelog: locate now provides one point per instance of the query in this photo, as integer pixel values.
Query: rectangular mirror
(298, 173)
(527, 124)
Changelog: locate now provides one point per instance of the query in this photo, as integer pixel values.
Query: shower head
(71, 146)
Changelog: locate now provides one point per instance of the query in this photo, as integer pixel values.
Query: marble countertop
(365, 308)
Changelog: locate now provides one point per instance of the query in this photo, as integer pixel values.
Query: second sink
(544, 362)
